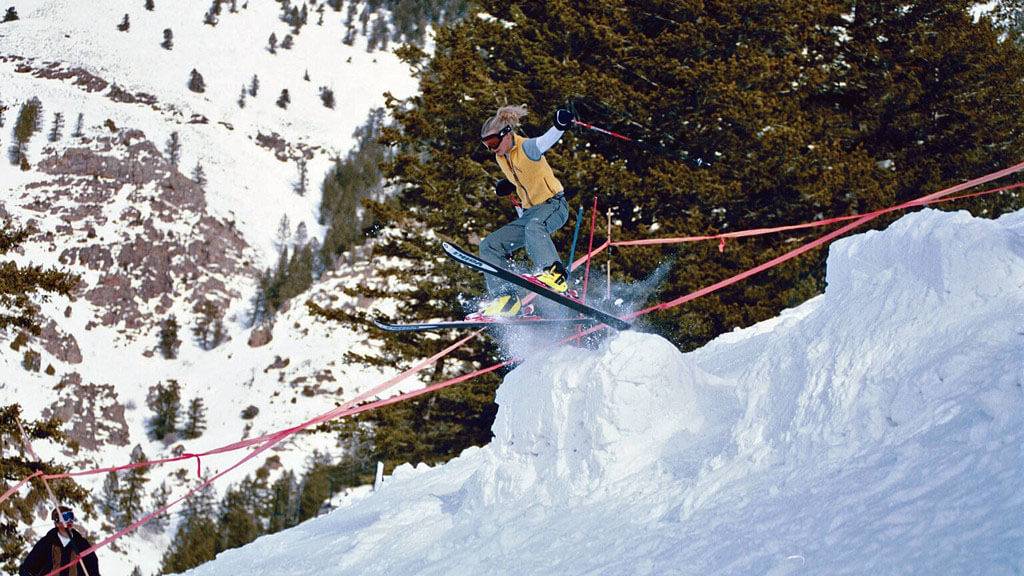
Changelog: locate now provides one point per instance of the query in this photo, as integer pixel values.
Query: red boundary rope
(347, 409)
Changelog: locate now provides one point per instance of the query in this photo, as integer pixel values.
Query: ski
(467, 259)
(483, 323)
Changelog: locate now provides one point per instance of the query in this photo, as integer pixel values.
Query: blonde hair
(505, 116)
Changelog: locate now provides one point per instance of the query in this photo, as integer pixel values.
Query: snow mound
(574, 423)
(875, 429)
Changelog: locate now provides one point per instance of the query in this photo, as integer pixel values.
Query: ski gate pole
(590, 250)
(572, 249)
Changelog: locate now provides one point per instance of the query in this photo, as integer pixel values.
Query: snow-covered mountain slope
(149, 241)
(241, 149)
(876, 429)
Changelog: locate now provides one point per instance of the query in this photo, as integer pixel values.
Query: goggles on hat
(492, 141)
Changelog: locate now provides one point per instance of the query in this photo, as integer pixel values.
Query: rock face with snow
(876, 429)
(157, 230)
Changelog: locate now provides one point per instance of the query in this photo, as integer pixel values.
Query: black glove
(564, 118)
(503, 187)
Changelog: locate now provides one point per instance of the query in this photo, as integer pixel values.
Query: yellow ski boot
(554, 277)
(502, 306)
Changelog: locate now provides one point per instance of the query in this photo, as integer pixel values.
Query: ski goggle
(492, 141)
(67, 517)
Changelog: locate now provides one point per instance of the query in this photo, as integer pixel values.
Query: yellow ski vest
(534, 180)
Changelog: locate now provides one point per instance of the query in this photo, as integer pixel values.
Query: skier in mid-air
(541, 205)
(542, 208)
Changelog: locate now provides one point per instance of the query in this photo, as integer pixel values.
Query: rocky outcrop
(261, 335)
(80, 77)
(148, 260)
(60, 345)
(92, 412)
(284, 150)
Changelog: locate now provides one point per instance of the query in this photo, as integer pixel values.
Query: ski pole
(602, 130)
(572, 249)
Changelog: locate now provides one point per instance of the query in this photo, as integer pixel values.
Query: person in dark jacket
(61, 545)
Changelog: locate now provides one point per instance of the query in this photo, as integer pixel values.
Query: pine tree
(273, 43)
(196, 540)
(26, 126)
(24, 285)
(195, 422)
(288, 42)
(165, 402)
(199, 175)
(149, 5)
(11, 14)
(196, 82)
(315, 489)
(283, 235)
(110, 499)
(210, 19)
(347, 185)
(379, 36)
(209, 328)
(358, 462)
(78, 126)
(275, 280)
(254, 86)
(319, 266)
(306, 76)
(237, 526)
(173, 149)
(125, 24)
(327, 97)
(168, 42)
(160, 496)
(364, 19)
(283, 508)
(298, 276)
(350, 14)
(284, 99)
(241, 97)
(58, 127)
(132, 491)
(259, 305)
(302, 184)
(23, 506)
(168, 341)
(234, 6)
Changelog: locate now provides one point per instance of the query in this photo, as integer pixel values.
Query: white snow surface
(875, 429)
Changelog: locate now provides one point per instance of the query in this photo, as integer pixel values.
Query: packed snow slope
(876, 429)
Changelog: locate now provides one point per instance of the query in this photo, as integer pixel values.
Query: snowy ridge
(876, 429)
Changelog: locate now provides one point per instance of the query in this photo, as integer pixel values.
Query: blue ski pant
(532, 231)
